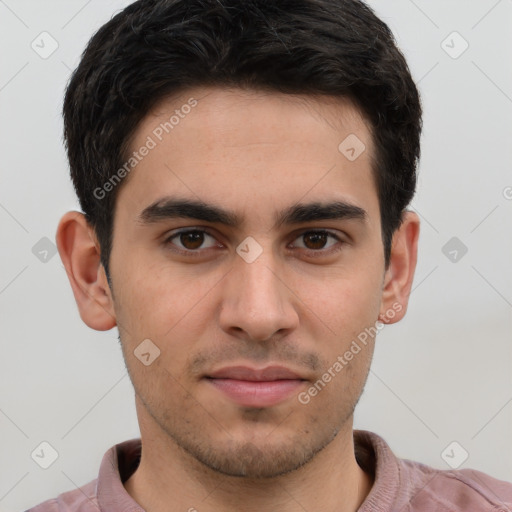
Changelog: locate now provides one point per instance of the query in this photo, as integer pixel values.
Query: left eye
(316, 240)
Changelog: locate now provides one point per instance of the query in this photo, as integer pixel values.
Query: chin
(258, 458)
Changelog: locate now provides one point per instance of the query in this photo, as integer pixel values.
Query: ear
(80, 253)
(400, 272)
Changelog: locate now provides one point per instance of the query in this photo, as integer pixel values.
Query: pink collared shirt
(400, 485)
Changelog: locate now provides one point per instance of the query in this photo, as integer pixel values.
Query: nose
(257, 302)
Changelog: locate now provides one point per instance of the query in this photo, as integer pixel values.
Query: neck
(169, 479)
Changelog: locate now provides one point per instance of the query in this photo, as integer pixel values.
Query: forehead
(217, 144)
(226, 109)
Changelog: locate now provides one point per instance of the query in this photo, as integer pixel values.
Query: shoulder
(457, 490)
(118, 462)
(83, 499)
(410, 486)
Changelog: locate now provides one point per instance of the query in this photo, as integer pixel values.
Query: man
(244, 169)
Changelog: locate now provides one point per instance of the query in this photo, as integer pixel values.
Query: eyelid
(304, 231)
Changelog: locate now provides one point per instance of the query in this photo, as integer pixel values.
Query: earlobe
(400, 272)
(80, 254)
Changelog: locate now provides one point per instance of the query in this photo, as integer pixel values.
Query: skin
(300, 304)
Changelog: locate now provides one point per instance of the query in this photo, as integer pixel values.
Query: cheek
(148, 293)
(169, 307)
(345, 302)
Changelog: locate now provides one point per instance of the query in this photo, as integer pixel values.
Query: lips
(270, 373)
(257, 388)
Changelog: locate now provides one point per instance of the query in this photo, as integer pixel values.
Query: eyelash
(199, 252)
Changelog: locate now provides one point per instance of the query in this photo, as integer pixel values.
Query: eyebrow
(172, 208)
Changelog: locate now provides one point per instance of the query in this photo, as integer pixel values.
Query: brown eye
(317, 240)
(192, 239)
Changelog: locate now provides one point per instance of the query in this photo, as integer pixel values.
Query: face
(247, 248)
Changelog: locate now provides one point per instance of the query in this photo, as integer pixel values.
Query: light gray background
(443, 374)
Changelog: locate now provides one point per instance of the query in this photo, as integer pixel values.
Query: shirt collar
(372, 454)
